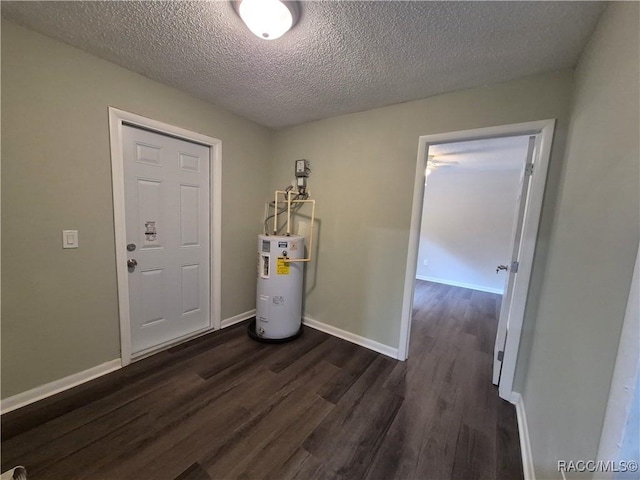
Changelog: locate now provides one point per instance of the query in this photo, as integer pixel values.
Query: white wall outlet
(69, 239)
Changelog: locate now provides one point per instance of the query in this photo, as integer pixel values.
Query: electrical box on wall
(302, 168)
(302, 171)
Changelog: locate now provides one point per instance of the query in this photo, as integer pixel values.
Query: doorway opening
(469, 209)
(504, 243)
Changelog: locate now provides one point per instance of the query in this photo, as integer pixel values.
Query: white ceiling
(488, 155)
(341, 57)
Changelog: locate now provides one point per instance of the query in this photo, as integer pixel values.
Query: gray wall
(59, 309)
(592, 248)
(363, 168)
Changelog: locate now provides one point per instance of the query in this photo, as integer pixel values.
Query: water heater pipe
(289, 213)
(275, 218)
(313, 212)
(289, 201)
(286, 195)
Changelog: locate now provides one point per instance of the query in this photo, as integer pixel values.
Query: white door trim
(116, 119)
(545, 129)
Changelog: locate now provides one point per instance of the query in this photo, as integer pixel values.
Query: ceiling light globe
(267, 19)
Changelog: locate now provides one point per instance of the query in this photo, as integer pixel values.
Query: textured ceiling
(341, 57)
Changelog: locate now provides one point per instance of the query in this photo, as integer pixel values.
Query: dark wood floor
(225, 407)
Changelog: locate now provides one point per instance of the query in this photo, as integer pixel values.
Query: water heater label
(263, 266)
(282, 267)
(282, 244)
(266, 246)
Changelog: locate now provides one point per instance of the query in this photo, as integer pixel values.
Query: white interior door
(167, 214)
(512, 268)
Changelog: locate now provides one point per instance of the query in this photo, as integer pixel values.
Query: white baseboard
(30, 396)
(241, 317)
(523, 431)
(352, 337)
(453, 283)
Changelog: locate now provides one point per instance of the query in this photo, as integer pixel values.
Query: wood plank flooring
(225, 407)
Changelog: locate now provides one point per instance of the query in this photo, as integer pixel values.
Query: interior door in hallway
(167, 229)
(512, 268)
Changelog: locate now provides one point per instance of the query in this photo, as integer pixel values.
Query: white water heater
(279, 292)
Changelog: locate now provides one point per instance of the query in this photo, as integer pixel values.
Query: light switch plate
(69, 239)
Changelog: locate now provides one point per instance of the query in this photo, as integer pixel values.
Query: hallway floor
(225, 407)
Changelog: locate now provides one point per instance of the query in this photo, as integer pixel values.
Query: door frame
(543, 128)
(118, 118)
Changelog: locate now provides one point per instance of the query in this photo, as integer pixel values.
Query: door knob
(132, 263)
(501, 267)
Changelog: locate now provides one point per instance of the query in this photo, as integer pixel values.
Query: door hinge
(528, 169)
(514, 267)
(500, 355)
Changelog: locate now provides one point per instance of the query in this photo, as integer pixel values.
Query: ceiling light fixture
(268, 19)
